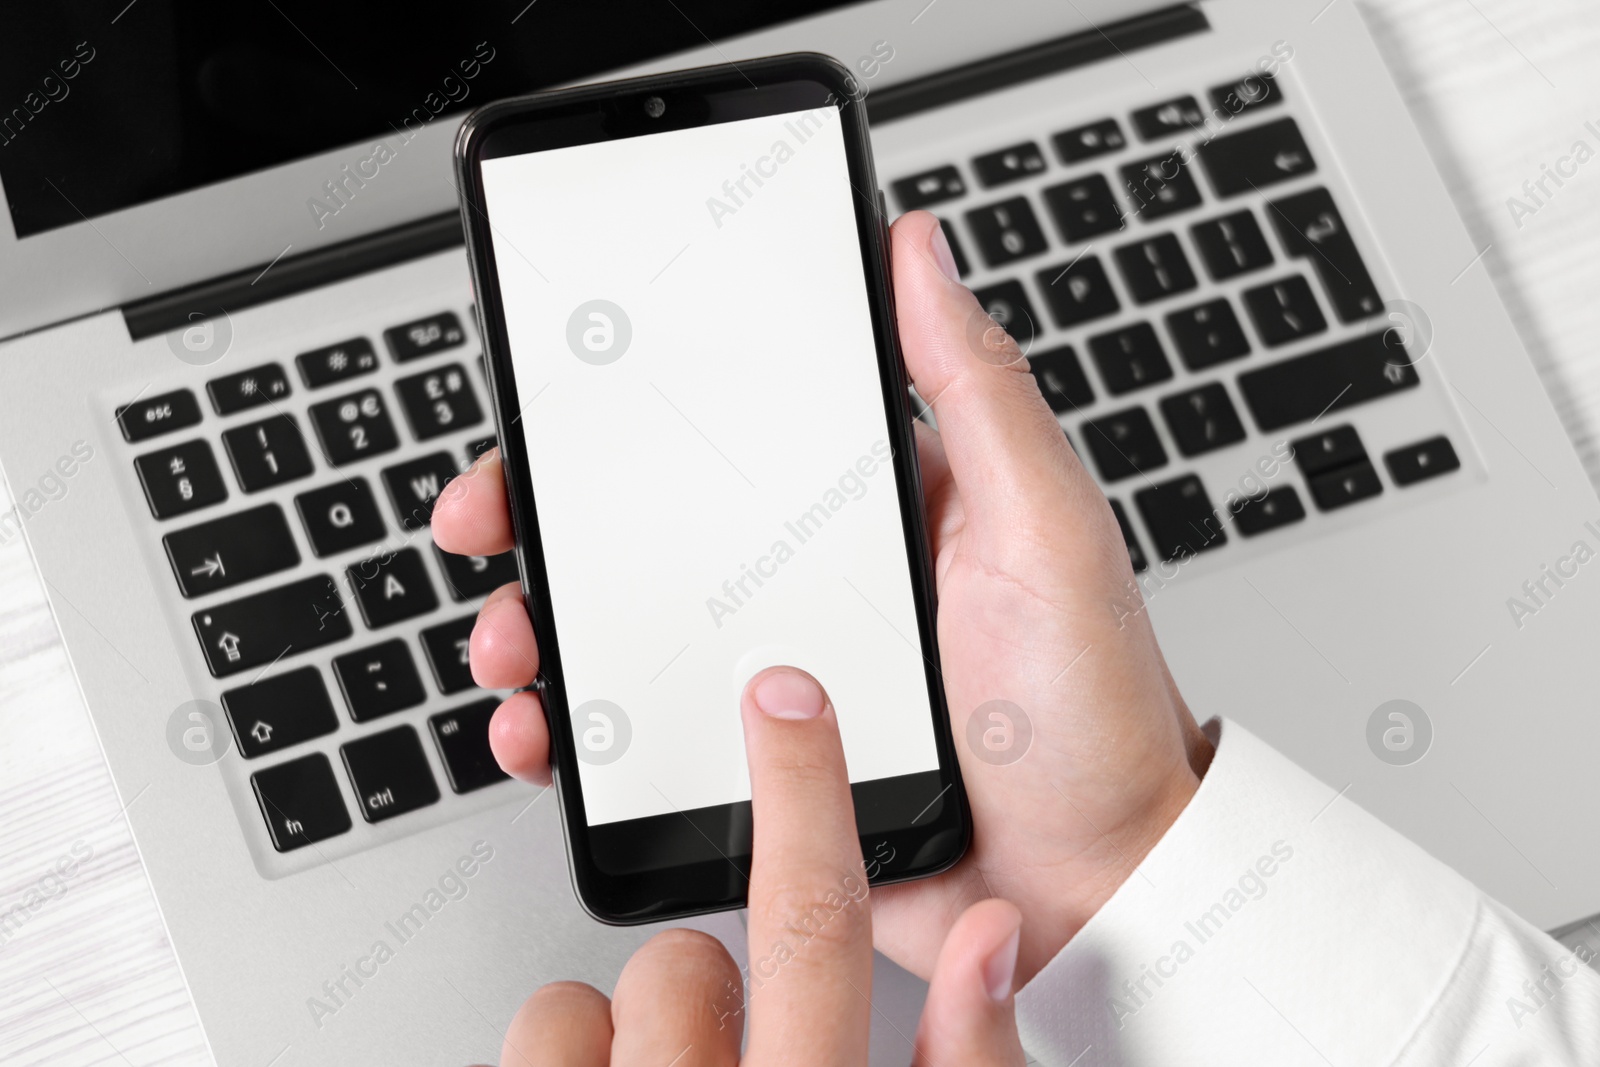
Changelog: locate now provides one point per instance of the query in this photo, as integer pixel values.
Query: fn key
(300, 802)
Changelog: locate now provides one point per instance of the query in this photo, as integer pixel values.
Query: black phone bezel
(937, 836)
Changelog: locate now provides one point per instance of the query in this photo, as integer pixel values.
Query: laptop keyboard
(1209, 284)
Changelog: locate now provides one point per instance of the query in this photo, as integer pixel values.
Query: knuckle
(834, 913)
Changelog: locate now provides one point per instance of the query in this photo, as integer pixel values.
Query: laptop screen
(107, 105)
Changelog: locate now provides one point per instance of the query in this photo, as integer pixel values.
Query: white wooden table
(1498, 87)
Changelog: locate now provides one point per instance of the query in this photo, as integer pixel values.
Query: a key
(1008, 305)
(1179, 517)
(1249, 93)
(462, 737)
(424, 337)
(1257, 158)
(389, 773)
(247, 389)
(1061, 379)
(415, 486)
(340, 516)
(180, 479)
(1332, 379)
(1130, 358)
(278, 711)
(1135, 550)
(929, 188)
(1155, 269)
(1087, 142)
(1124, 444)
(1078, 292)
(354, 427)
(1170, 118)
(1285, 311)
(1270, 511)
(1312, 229)
(446, 646)
(1006, 232)
(1329, 450)
(1084, 208)
(378, 681)
(1232, 245)
(337, 363)
(1423, 460)
(391, 587)
(300, 802)
(471, 577)
(156, 415)
(1207, 334)
(1161, 186)
(258, 629)
(1345, 486)
(957, 253)
(438, 401)
(229, 550)
(1202, 420)
(267, 453)
(1008, 164)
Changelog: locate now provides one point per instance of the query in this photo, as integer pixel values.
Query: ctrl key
(300, 801)
(390, 774)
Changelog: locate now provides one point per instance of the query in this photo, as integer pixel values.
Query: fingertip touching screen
(700, 406)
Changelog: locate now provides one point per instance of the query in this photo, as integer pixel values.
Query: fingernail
(1001, 968)
(942, 255)
(789, 695)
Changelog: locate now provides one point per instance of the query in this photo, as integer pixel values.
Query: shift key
(260, 629)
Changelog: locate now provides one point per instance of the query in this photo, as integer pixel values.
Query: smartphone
(682, 284)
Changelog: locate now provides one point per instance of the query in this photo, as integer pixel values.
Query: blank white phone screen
(699, 399)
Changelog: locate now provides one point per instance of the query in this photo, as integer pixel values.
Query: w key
(235, 548)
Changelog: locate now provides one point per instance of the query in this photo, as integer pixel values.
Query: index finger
(810, 924)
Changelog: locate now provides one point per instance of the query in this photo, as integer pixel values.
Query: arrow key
(278, 711)
(233, 549)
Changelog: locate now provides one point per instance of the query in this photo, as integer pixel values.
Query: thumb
(970, 1015)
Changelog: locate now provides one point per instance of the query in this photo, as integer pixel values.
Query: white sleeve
(1277, 922)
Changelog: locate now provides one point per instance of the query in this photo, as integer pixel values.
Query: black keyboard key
(267, 453)
(258, 629)
(247, 389)
(379, 681)
(300, 801)
(1232, 245)
(1254, 90)
(1329, 450)
(392, 587)
(1345, 486)
(462, 737)
(1333, 379)
(1155, 269)
(1008, 164)
(957, 253)
(1008, 305)
(1423, 460)
(1285, 311)
(1084, 208)
(424, 337)
(1136, 554)
(1169, 119)
(1312, 228)
(471, 577)
(337, 363)
(1078, 292)
(438, 401)
(282, 710)
(1006, 232)
(1161, 186)
(1202, 419)
(1124, 444)
(232, 549)
(477, 448)
(1207, 334)
(447, 647)
(415, 486)
(1130, 358)
(1061, 379)
(1087, 142)
(1259, 157)
(1271, 511)
(929, 188)
(1179, 517)
(340, 516)
(354, 427)
(180, 479)
(156, 415)
(389, 774)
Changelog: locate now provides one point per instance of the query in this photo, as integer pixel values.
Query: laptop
(238, 331)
